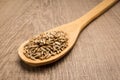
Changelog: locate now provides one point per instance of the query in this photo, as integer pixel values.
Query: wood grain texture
(95, 56)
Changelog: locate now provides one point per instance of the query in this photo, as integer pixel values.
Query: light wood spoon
(72, 29)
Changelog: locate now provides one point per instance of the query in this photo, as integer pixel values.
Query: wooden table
(95, 56)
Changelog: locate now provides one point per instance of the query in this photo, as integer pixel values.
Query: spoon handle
(94, 13)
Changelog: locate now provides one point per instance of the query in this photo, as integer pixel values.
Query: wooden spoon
(72, 29)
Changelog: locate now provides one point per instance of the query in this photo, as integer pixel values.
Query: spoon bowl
(71, 40)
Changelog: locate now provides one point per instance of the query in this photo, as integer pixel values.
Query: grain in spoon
(72, 30)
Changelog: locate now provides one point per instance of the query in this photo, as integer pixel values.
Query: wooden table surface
(95, 56)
